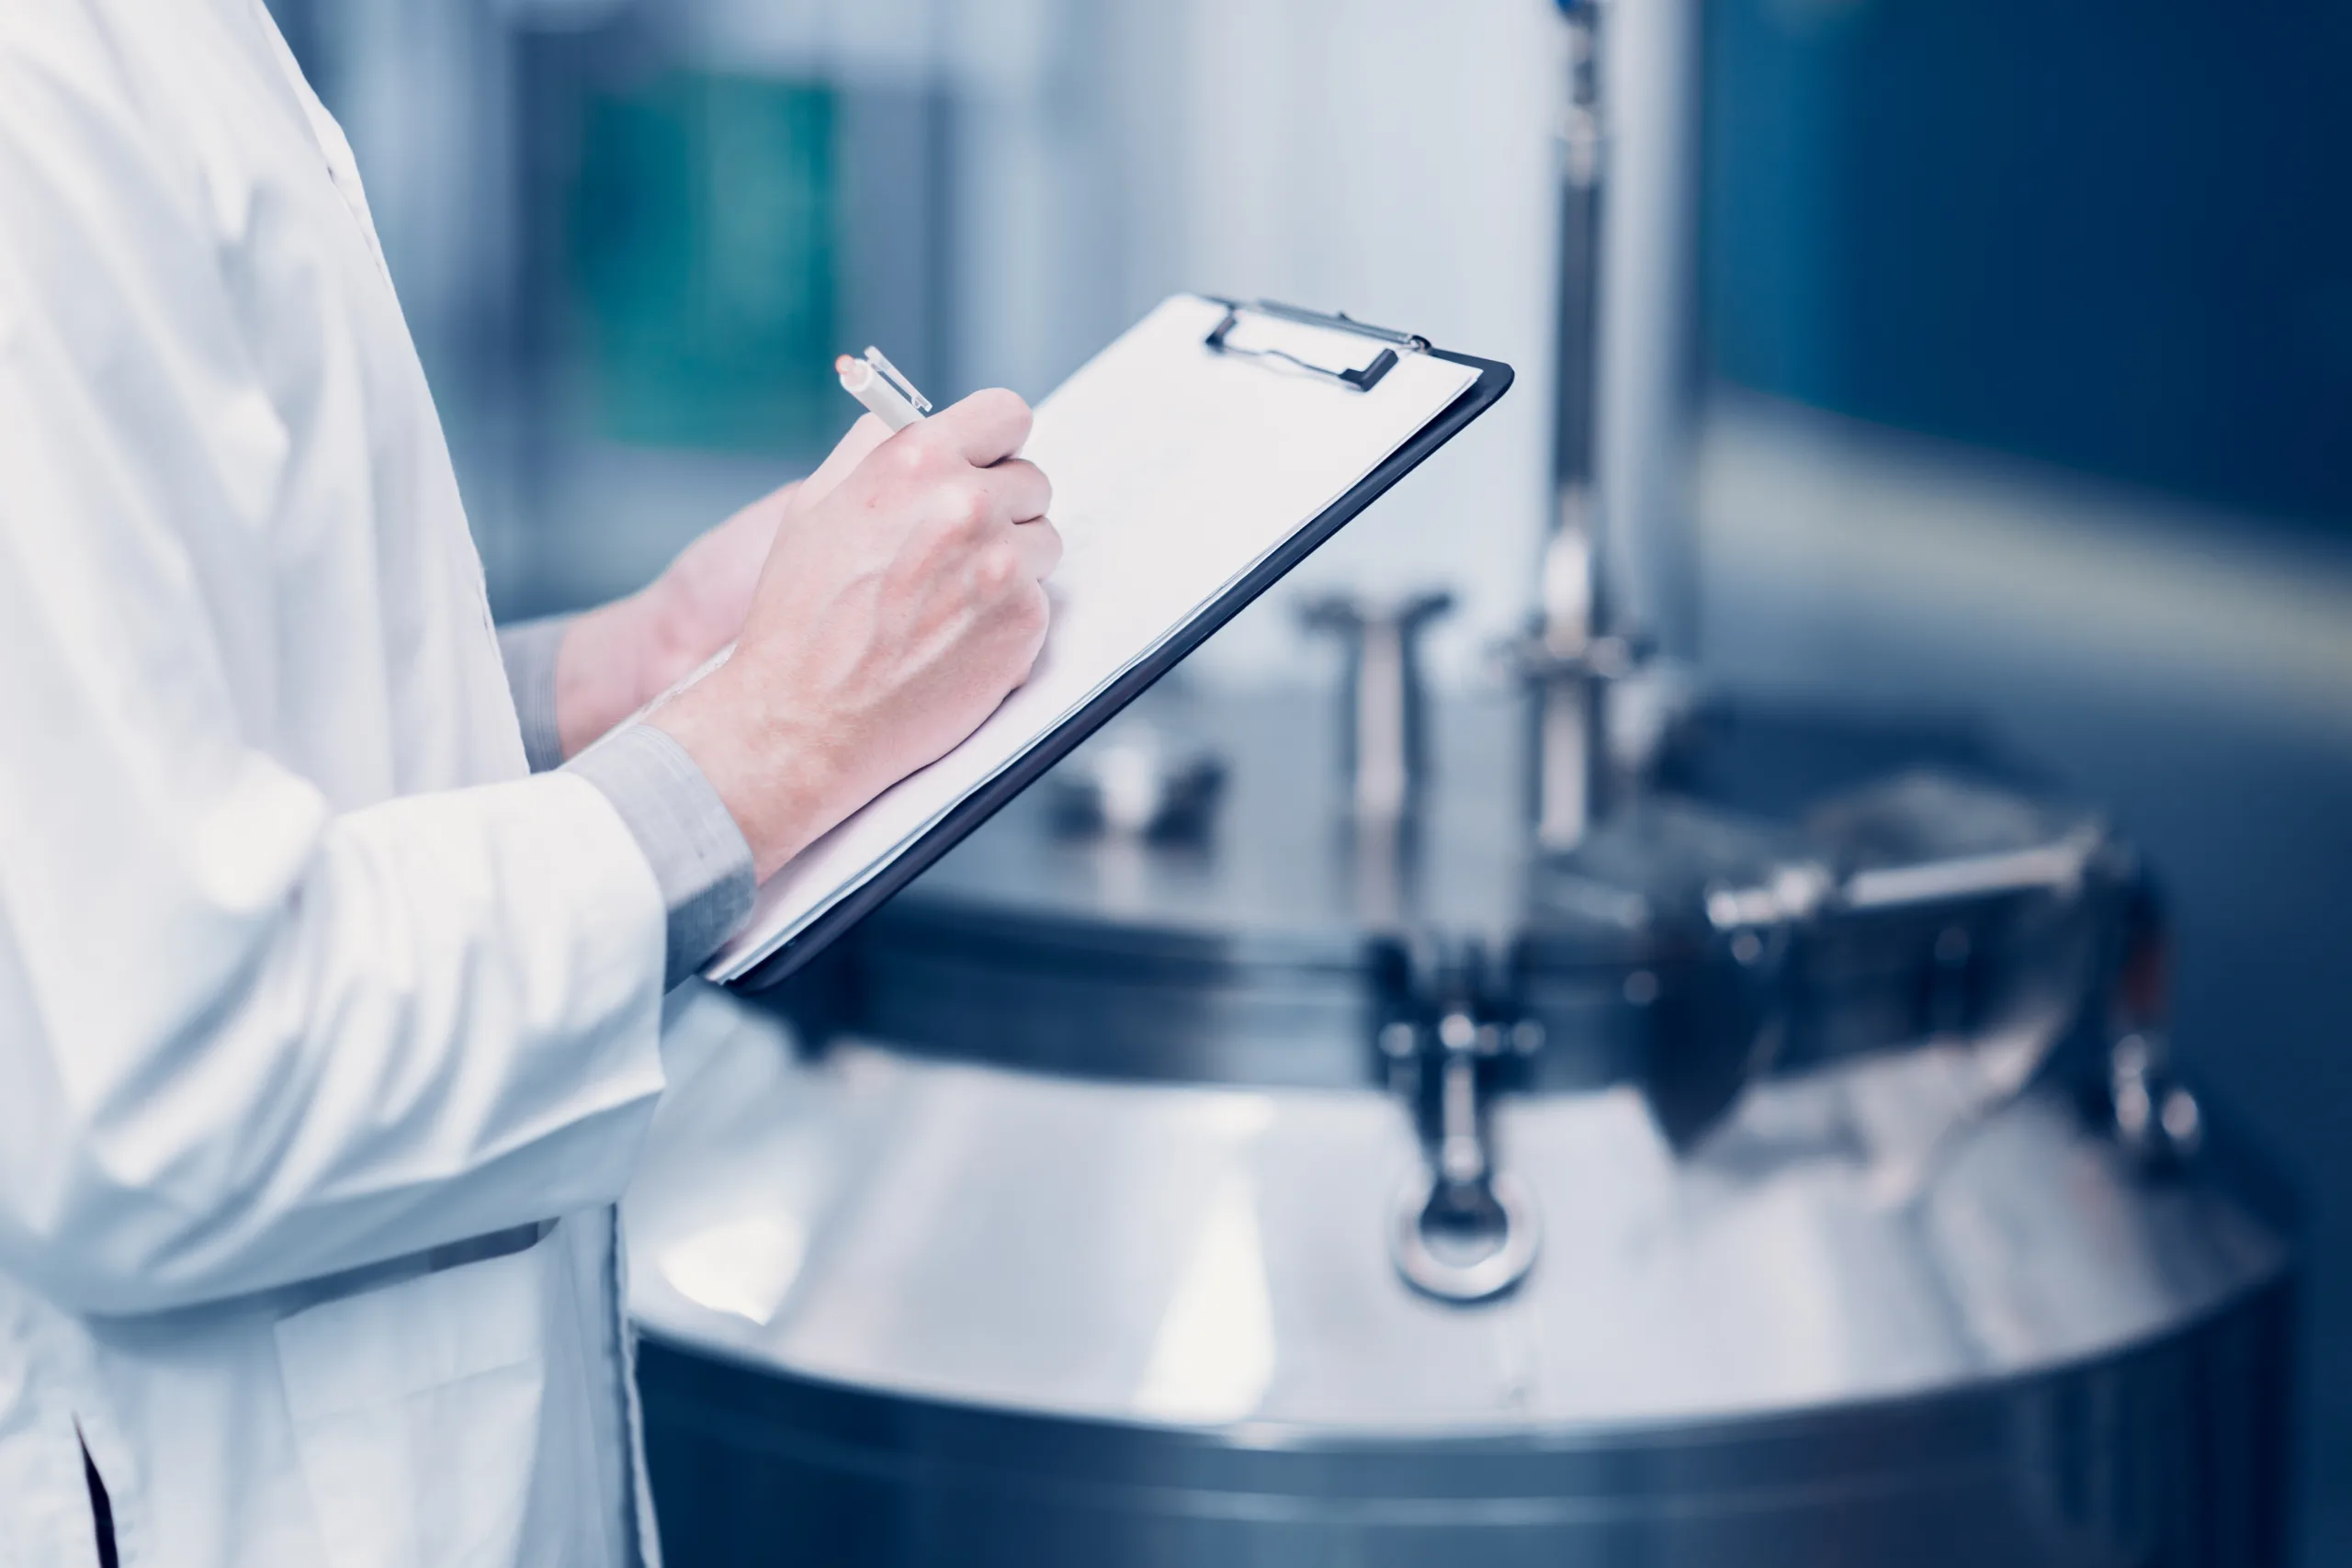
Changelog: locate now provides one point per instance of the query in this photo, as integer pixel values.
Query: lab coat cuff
(700, 859)
(530, 648)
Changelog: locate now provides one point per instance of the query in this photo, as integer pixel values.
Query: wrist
(669, 646)
(598, 674)
(778, 789)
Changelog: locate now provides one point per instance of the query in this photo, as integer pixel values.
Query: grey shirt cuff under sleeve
(529, 649)
(699, 857)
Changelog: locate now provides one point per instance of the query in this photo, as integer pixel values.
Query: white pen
(876, 382)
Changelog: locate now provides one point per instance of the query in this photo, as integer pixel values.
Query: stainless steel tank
(1663, 1135)
(1790, 1174)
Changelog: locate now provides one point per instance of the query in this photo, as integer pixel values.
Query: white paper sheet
(1175, 471)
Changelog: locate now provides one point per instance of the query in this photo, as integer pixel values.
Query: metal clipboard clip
(1363, 378)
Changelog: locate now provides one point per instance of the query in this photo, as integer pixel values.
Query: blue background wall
(2115, 234)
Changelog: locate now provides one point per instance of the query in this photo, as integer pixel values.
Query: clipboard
(1230, 337)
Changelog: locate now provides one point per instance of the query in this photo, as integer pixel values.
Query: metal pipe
(1644, 392)
(1570, 746)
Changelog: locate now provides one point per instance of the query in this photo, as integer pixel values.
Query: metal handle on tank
(1459, 1179)
(1481, 1279)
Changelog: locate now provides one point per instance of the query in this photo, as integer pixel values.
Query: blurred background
(2019, 363)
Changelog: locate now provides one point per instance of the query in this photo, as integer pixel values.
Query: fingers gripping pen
(872, 380)
(876, 382)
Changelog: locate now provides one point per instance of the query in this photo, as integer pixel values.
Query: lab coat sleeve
(700, 859)
(244, 1040)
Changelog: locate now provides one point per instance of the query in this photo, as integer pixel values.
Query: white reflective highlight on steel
(1214, 1354)
(1926, 1219)
(745, 1268)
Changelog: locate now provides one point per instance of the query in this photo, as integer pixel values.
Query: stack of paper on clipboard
(1194, 461)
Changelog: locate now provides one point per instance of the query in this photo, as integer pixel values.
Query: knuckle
(969, 507)
(998, 570)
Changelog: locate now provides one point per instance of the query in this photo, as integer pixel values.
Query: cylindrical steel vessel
(1100, 1258)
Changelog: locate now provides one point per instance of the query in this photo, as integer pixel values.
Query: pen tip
(842, 364)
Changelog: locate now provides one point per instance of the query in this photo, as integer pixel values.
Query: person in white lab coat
(328, 1028)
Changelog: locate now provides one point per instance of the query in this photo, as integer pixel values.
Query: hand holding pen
(901, 601)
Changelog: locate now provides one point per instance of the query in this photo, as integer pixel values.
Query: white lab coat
(299, 972)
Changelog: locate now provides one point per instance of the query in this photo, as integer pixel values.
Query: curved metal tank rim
(1266, 1436)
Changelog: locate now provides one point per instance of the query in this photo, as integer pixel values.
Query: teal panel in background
(703, 238)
